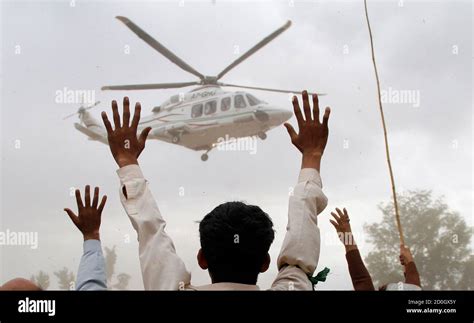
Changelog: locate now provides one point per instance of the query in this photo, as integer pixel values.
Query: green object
(320, 277)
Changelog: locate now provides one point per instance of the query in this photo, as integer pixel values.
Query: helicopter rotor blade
(152, 86)
(158, 46)
(255, 48)
(267, 89)
(70, 115)
(91, 106)
(82, 108)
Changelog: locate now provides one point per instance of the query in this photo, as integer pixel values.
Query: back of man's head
(235, 239)
(19, 284)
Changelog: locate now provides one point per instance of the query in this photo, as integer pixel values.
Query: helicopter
(202, 117)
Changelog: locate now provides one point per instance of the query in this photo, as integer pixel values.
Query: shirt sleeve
(161, 267)
(360, 276)
(299, 254)
(91, 274)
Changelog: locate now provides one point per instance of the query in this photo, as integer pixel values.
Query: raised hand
(123, 141)
(88, 220)
(405, 255)
(342, 225)
(313, 135)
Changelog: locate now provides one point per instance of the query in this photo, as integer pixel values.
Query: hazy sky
(421, 47)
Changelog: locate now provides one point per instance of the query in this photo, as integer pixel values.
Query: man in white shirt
(227, 233)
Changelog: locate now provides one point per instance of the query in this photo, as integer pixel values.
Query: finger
(79, 199)
(315, 108)
(107, 124)
(334, 215)
(102, 203)
(327, 112)
(339, 212)
(291, 131)
(87, 199)
(143, 136)
(72, 216)
(334, 223)
(136, 115)
(345, 212)
(116, 114)
(307, 109)
(297, 110)
(95, 201)
(126, 111)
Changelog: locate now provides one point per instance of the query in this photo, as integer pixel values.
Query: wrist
(349, 241)
(313, 154)
(126, 160)
(350, 247)
(92, 236)
(311, 160)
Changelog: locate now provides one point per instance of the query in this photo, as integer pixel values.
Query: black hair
(235, 239)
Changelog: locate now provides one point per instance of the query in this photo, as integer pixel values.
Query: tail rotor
(81, 110)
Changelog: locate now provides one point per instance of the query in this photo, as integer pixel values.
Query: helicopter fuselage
(201, 118)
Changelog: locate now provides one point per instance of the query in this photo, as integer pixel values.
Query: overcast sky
(423, 47)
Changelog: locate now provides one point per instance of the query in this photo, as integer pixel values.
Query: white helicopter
(204, 116)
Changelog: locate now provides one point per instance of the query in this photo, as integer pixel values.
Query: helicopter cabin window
(196, 110)
(210, 107)
(225, 104)
(253, 100)
(239, 101)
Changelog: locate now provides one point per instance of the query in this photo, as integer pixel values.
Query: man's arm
(360, 276)
(91, 274)
(299, 254)
(161, 267)
(411, 273)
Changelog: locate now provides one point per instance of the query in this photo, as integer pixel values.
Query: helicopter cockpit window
(225, 104)
(210, 107)
(253, 100)
(174, 98)
(196, 110)
(239, 101)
